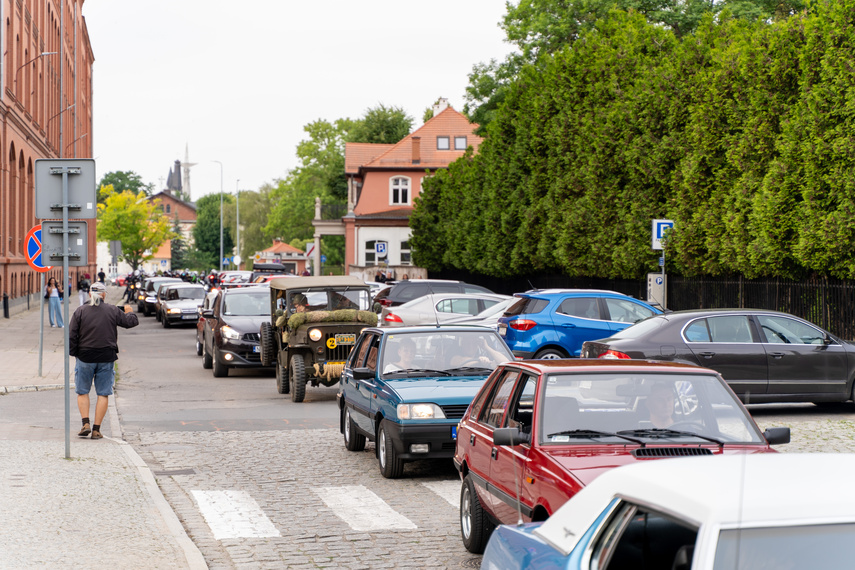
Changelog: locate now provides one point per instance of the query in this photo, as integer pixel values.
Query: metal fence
(829, 303)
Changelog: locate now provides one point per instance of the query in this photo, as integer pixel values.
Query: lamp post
(237, 224)
(221, 213)
(75, 140)
(44, 53)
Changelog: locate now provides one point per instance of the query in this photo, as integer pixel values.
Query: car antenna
(530, 284)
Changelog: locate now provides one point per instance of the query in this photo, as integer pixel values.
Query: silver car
(180, 303)
(438, 308)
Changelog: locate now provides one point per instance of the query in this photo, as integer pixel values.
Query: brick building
(45, 112)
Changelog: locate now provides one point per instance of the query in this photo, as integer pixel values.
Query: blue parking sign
(380, 248)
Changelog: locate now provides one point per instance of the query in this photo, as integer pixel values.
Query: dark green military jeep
(314, 323)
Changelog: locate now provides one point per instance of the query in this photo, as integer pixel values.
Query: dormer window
(460, 143)
(443, 143)
(399, 191)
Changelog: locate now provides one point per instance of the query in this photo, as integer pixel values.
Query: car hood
(441, 391)
(245, 324)
(587, 462)
(184, 303)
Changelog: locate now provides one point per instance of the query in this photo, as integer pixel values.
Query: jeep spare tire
(266, 343)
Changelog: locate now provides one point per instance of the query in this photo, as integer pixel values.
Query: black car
(230, 332)
(403, 291)
(765, 356)
(147, 294)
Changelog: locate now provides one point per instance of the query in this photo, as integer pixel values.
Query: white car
(438, 308)
(489, 317)
(735, 512)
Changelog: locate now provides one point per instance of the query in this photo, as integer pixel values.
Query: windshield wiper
(425, 370)
(467, 368)
(665, 432)
(590, 433)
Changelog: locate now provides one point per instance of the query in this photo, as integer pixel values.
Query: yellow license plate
(345, 338)
(335, 363)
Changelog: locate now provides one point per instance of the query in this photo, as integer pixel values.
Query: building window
(442, 143)
(399, 191)
(405, 253)
(370, 256)
(460, 143)
(168, 208)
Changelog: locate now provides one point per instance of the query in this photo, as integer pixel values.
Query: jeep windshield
(331, 299)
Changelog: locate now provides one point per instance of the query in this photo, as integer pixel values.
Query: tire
(220, 369)
(297, 377)
(391, 467)
(199, 349)
(475, 527)
(282, 385)
(145, 310)
(165, 321)
(266, 342)
(207, 361)
(158, 317)
(550, 354)
(353, 440)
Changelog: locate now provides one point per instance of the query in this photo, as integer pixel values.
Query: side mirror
(510, 436)
(208, 313)
(777, 435)
(363, 374)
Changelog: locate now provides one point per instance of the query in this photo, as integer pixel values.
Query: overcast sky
(237, 81)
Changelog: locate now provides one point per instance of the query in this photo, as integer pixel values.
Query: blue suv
(553, 323)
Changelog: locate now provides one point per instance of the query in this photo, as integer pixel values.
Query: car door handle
(568, 326)
(471, 439)
(776, 354)
(707, 354)
(495, 453)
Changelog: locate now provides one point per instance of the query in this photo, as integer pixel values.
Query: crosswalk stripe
(362, 509)
(234, 514)
(448, 490)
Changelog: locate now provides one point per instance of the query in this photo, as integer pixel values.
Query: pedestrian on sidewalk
(53, 293)
(93, 342)
(83, 288)
(102, 277)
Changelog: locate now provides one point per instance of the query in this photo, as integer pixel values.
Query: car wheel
(165, 321)
(220, 369)
(297, 377)
(353, 440)
(549, 354)
(282, 385)
(145, 310)
(198, 348)
(157, 316)
(207, 361)
(266, 342)
(475, 527)
(391, 467)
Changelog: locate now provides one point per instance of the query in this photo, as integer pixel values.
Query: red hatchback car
(539, 431)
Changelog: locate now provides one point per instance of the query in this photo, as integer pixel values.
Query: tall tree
(206, 232)
(178, 246)
(121, 180)
(134, 220)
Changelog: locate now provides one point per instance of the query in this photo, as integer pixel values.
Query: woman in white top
(53, 292)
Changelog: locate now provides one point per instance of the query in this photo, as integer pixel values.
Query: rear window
(526, 306)
(641, 329)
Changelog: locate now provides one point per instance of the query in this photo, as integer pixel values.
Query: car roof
(429, 328)
(582, 365)
(573, 291)
(441, 296)
(288, 283)
(769, 489)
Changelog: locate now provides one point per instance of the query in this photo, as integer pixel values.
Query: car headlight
(174, 311)
(420, 412)
(315, 334)
(230, 333)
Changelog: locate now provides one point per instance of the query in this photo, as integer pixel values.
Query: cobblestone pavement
(286, 471)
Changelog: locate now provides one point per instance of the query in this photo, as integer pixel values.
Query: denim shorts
(102, 372)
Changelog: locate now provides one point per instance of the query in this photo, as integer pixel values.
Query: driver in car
(299, 304)
(486, 356)
(660, 405)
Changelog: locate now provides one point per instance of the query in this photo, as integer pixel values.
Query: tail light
(385, 302)
(614, 355)
(393, 318)
(522, 324)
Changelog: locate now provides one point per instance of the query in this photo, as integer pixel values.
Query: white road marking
(362, 509)
(448, 490)
(234, 514)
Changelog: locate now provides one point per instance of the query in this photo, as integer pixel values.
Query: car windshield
(193, 293)
(826, 546)
(667, 407)
(328, 300)
(242, 304)
(475, 352)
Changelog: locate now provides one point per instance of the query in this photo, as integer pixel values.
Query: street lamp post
(237, 224)
(221, 213)
(44, 53)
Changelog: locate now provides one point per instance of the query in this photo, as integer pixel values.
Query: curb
(32, 388)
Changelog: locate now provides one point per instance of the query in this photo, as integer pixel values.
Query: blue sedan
(407, 388)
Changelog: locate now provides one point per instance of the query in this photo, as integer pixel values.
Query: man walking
(92, 341)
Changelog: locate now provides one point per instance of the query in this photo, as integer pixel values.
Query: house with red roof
(286, 254)
(383, 182)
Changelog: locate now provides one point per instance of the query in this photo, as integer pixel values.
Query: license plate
(345, 338)
(188, 316)
(256, 348)
(454, 432)
(335, 363)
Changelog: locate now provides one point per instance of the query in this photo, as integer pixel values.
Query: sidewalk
(100, 508)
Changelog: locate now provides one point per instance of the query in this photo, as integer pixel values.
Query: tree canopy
(134, 220)
(121, 180)
(206, 232)
(739, 132)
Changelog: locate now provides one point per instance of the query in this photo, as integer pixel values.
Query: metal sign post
(660, 234)
(83, 191)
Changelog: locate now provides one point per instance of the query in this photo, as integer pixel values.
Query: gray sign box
(82, 192)
(78, 242)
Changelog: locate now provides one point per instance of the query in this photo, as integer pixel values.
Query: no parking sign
(34, 249)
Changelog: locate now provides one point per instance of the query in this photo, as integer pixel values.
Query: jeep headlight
(420, 412)
(230, 333)
(315, 334)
